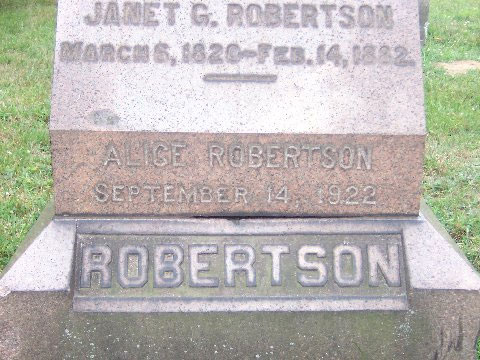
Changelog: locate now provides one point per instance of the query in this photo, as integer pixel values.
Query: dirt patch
(459, 67)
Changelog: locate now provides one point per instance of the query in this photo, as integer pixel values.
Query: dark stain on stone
(104, 117)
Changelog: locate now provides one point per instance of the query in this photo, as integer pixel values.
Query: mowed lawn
(452, 164)
(26, 50)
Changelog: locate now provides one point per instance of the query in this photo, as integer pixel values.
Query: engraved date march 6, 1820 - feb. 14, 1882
(289, 16)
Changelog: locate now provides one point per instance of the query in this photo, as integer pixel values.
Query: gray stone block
(45, 314)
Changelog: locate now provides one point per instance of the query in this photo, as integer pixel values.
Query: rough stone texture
(357, 94)
(46, 264)
(442, 320)
(424, 8)
(85, 180)
(257, 295)
(373, 98)
(439, 325)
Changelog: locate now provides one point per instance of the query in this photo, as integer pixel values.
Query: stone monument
(238, 180)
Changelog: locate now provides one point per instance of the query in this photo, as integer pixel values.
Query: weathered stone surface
(249, 175)
(329, 75)
(439, 325)
(424, 8)
(238, 273)
(440, 320)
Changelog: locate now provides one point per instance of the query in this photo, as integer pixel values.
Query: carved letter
(327, 9)
(149, 13)
(309, 16)
(112, 14)
(95, 19)
(197, 266)
(384, 16)
(388, 262)
(167, 272)
(364, 154)
(132, 13)
(366, 16)
(255, 156)
(234, 15)
(70, 51)
(215, 151)
(340, 269)
(112, 156)
(305, 264)
(176, 148)
(171, 7)
(101, 192)
(276, 251)
(96, 258)
(200, 19)
(239, 258)
(141, 254)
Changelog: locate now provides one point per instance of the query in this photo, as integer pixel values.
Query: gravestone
(238, 180)
(278, 109)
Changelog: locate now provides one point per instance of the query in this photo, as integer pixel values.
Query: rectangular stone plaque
(242, 108)
(203, 273)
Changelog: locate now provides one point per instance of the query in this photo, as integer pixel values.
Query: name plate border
(245, 227)
(247, 304)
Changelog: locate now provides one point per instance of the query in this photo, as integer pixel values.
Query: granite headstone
(243, 109)
(238, 180)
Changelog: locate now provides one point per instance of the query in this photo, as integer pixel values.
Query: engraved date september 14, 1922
(271, 157)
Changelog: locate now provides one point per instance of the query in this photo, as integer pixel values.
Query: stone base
(433, 314)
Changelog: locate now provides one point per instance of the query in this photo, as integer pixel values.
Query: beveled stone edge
(43, 220)
(225, 304)
(423, 133)
(431, 246)
(34, 267)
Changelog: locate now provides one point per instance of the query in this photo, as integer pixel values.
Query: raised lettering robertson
(176, 265)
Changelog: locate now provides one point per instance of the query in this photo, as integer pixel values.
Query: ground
(452, 163)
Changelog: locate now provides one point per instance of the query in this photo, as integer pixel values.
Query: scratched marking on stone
(246, 78)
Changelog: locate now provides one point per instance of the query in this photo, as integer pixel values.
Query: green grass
(452, 160)
(26, 50)
(452, 163)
